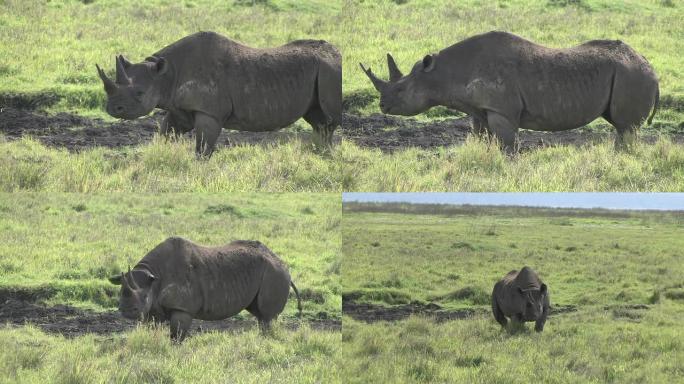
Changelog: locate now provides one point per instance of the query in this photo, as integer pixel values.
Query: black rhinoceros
(505, 82)
(179, 280)
(521, 296)
(206, 81)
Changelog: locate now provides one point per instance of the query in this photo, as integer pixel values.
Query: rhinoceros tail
(299, 301)
(655, 106)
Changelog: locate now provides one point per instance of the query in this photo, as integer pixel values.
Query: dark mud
(76, 133)
(71, 322)
(371, 313)
(387, 133)
(391, 133)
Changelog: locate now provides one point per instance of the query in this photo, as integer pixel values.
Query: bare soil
(71, 322)
(387, 133)
(371, 313)
(391, 133)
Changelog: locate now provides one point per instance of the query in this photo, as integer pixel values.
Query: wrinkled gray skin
(206, 81)
(179, 281)
(522, 297)
(505, 82)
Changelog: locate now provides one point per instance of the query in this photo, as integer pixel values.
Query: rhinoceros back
(246, 88)
(527, 279)
(210, 283)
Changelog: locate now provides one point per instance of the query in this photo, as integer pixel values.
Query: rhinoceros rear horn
(109, 85)
(394, 72)
(377, 83)
(125, 62)
(121, 76)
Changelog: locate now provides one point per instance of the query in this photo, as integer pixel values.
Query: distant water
(620, 200)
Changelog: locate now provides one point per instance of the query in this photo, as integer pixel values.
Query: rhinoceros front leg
(168, 128)
(180, 325)
(504, 129)
(207, 131)
(539, 324)
(498, 314)
(479, 126)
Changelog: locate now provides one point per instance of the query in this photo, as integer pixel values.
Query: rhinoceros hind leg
(626, 137)
(504, 130)
(207, 131)
(323, 128)
(180, 325)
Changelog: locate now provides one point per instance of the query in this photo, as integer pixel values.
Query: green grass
(411, 30)
(68, 244)
(66, 39)
(582, 347)
(584, 260)
(601, 265)
(145, 355)
(63, 247)
(26, 165)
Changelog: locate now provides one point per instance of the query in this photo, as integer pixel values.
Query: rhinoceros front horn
(109, 85)
(121, 76)
(394, 72)
(377, 83)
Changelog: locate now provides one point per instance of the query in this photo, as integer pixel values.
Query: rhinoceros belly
(228, 286)
(565, 98)
(273, 100)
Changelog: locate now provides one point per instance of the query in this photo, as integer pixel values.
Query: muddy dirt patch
(76, 133)
(385, 132)
(391, 133)
(371, 313)
(71, 322)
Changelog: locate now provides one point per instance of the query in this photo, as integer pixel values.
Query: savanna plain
(59, 313)
(56, 135)
(417, 287)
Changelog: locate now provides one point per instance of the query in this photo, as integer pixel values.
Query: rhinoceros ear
(428, 63)
(542, 289)
(162, 66)
(142, 277)
(116, 279)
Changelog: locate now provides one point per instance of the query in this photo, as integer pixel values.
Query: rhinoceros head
(137, 89)
(534, 302)
(405, 95)
(136, 292)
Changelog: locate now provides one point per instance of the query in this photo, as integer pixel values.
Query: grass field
(64, 246)
(26, 165)
(50, 50)
(147, 356)
(620, 275)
